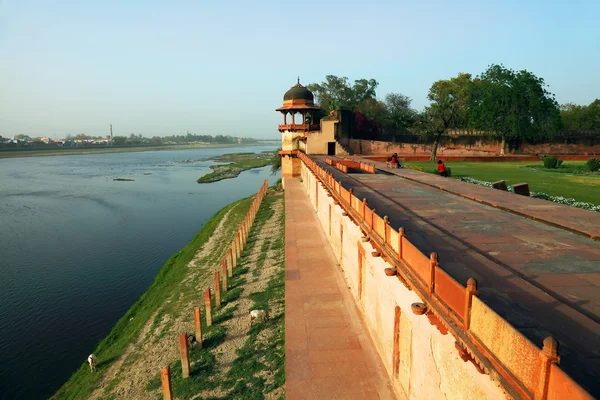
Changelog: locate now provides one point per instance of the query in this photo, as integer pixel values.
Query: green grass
(569, 181)
(168, 281)
(237, 163)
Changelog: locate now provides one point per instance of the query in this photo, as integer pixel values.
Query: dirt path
(258, 277)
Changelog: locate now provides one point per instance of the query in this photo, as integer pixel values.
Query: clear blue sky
(222, 67)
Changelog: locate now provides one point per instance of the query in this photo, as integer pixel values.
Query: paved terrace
(329, 353)
(542, 279)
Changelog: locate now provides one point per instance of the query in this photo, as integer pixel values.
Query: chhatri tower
(301, 131)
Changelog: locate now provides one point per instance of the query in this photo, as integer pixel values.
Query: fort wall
(474, 146)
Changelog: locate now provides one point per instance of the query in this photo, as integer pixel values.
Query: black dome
(299, 92)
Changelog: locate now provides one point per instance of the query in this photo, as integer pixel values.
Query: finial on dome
(298, 79)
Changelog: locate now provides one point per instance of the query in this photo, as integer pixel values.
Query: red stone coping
(525, 367)
(574, 219)
(510, 158)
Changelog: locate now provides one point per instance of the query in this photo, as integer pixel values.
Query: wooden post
(224, 273)
(229, 262)
(238, 250)
(234, 253)
(471, 290)
(433, 262)
(185, 355)
(217, 289)
(165, 378)
(198, 326)
(208, 307)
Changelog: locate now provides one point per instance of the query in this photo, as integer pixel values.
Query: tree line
(511, 105)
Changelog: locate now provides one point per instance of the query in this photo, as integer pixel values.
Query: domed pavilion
(299, 101)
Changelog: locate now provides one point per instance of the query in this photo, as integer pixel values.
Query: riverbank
(101, 150)
(236, 357)
(236, 164)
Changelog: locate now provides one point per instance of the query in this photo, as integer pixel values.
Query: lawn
(568, 181)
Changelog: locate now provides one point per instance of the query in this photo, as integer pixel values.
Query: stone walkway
(329, 353)
(570, 218)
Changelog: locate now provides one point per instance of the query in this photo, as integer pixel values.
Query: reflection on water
(77, 248)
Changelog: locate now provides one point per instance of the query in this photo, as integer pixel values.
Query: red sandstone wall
(471, 148)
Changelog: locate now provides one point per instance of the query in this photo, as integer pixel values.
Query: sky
(222, 67)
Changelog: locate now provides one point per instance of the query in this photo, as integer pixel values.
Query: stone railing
(348, 163)
(482, 336)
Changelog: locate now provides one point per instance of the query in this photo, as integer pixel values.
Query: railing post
(208, 307)
(185, 355)
(364, 208)
(372, 218)
(433, 262)
(238, 248)
(471, 290)
(198, 326)
(224, 273)
(165, 378)
(548, 355)
(350, 194)
(400, 236)
(386, 229)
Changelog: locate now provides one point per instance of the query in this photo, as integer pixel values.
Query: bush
(593, 164)
(551, 162)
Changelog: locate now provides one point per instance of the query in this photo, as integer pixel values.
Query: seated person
(442, 168)
(393, 161)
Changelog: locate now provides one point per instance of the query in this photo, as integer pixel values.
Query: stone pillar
(198, 326)
(208, 307)
(185, 355)
(229, 262)
(234, 254)
(217, 289)
(224, 273)
(165, 378)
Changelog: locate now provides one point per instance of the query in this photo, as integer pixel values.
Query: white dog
(258, 314)
(92, 361)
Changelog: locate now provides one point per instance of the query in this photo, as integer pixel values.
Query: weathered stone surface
(522, 189)
(500, 185)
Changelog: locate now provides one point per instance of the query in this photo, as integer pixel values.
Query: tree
(581, 118)
(400, 116)
(335, 93)
(275, 162)
(513, 104)
(447, 110)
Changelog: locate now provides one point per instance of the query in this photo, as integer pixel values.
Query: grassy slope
(127, 329)
(580, 187)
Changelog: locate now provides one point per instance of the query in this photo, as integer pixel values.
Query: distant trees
(581, 118)
(514, 105)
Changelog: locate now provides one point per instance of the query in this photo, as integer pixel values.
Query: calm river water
(77, 249)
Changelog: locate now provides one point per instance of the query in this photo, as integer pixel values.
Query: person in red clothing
(442, 168)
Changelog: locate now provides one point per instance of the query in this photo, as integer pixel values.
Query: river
(78, 248)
